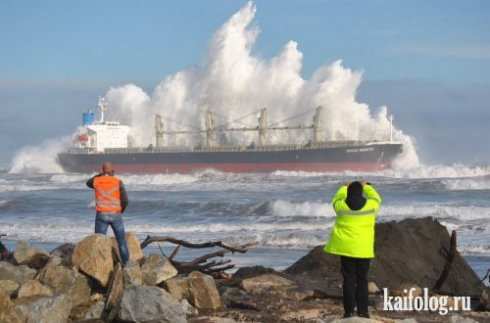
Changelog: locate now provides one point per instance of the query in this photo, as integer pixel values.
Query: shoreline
(276, 258)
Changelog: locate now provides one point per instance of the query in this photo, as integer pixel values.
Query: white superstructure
(102, 135)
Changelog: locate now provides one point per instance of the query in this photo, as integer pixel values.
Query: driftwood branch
(187, 244)
(202, 263)
(449, 261)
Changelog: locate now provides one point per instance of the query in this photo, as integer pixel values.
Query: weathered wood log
(187, 244)
(451, 253)
(203, 263)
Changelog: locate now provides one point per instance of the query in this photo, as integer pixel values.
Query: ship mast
(102, 107)
(316, 125)
(159, 131)
(210, 128)
(263, 127)
(391, 128)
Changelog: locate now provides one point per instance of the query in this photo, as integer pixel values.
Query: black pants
(355, 287)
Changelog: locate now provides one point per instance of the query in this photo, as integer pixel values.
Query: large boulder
(178, 287)
(157, 269)
(134, 247)
(150, 304)
(133, 274)
(25, 254)
(9, 286)
(203, 292)
(53, 309)
(8, 312)
(67, 281)
(413, 250)
(93, 256)
(114, 292)
(34, 288)
(19, 274)
(64, 252)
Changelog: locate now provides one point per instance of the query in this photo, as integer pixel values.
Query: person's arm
(340, 195)
(371, 193)
(124, 196)
(90, 182)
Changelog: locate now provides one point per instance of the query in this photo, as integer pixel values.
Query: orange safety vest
(107, 194)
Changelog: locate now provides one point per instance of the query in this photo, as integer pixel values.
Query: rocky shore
(84, 282)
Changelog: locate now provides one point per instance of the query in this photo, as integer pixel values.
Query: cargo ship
(110, 141)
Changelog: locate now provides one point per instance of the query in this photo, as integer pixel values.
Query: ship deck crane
(262, 127)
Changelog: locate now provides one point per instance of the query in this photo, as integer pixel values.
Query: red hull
(243, 167)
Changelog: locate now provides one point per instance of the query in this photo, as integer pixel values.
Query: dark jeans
(355, 287)
(103, 221)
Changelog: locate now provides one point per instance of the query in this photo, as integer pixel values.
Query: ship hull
(332, 159)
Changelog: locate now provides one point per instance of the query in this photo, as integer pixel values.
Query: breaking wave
(467, 184)
(39, 159)
(226, 84)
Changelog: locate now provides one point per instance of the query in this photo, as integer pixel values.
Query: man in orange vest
(111, 200)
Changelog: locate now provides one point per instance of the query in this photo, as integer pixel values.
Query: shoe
(347, 315)
(365, 315)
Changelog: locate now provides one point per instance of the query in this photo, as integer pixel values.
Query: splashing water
(39, 159)
(227, 84)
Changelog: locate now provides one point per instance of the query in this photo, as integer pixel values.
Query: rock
(25, 254)
(212, 319)
(300, 295)
(203, 292)
(188, 308)
(94, 311)
(484, 299)
(405, 289)
(93, 256)
(406, 251)
(53, 309)
(19, 274)
(264, 282)
(302, 314)
(460, 319)
(64, 252)
(157, 269)
(33, 288)
(114, 292)
(133, 274)
(67, 281)
(373, 288)
(254, 271)
(8, 312)
(354, 320)
(134, 247)
(150, 304)
(236, 298)
(178, 287)
(9, 286)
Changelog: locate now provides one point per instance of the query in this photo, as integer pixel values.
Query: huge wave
(227, 84)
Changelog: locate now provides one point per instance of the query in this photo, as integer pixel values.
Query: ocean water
(286, 213)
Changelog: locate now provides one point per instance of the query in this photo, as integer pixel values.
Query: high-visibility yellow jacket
(353, 232)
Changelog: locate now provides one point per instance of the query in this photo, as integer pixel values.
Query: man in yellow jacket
(356, 205)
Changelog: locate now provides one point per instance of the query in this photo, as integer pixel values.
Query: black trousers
(355, 287)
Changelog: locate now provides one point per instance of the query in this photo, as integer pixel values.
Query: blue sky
(145, 40)
(59, 53)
